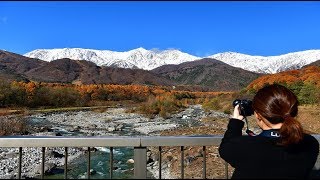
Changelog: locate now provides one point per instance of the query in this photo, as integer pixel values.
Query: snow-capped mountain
(150, 59)
(136, 58)
(269, 64)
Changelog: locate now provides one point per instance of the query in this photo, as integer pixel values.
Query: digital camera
(245, 106)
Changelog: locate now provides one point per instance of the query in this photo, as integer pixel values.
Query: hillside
(309, 74)
(209, 73)
(19, 64)
(9, 75)
(316, 63)
(73, 71)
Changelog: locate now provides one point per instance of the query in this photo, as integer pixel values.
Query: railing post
(20, 162)
(42, 162)
(111, 162)
(204, 172)
(182, 162)
(160, 161)
(226, 170)
(89, 163)
(65, 162)
(140, 163)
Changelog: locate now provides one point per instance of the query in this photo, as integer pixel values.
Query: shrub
(308, 94)
(182, 95)
(12, 126)
(163, 105)
(213, 104)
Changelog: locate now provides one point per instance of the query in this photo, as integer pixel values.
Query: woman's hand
(236, 113)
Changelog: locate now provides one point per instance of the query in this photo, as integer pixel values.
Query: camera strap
(248, 131)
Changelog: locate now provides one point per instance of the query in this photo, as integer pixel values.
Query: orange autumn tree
(305, 83)
(307, 74)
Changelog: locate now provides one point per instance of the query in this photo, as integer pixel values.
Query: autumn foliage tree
(305, 83)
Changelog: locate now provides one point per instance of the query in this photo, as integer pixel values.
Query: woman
(282, 150)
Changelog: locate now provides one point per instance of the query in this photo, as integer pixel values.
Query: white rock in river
(130, 161)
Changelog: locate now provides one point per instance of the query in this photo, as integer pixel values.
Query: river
(112, 122)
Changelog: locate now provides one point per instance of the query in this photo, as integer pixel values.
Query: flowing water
(100, 164)
(100, 160)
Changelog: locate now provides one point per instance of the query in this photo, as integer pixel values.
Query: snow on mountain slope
(150, 59)
(140, 57)
(269, 64)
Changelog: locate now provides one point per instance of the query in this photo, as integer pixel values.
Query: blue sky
(198, 28)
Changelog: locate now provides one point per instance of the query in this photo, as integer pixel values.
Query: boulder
(58, 134)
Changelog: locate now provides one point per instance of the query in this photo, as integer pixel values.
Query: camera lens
(245, 106)
(236, 102)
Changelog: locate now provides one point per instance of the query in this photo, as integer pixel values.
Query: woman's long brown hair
(278, 104)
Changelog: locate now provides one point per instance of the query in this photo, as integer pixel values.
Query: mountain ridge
(151, 59)
(73, 71)
(209, 73)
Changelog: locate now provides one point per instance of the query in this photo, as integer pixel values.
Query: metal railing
(139, 144)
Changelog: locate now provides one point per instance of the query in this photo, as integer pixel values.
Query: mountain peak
(269, 64)
(140, 49)
(140, 57)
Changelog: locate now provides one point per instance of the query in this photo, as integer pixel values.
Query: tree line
(154, 99)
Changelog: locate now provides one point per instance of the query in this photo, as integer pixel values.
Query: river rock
(92, 126)
(150, 160)
(58, 134)
(130, 161)
(47, 168)
(45, 129)
(156, 163)
(119, 127)
(52, 153)
(11, 155)
(189, 159)
(111, 128)
(184, 116)
(91, 134)
(75, 128)
(93, 172)
(7, 176)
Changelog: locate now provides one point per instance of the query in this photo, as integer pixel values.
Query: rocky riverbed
(112, 122)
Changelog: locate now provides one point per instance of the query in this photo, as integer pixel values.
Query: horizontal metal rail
(140, 145)
(60, 141)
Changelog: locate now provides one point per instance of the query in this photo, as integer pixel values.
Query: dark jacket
(262, 157)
